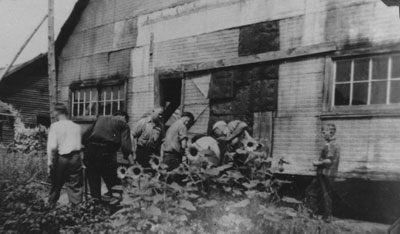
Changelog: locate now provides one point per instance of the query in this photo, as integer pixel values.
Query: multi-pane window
(367, 81)
(90, 102)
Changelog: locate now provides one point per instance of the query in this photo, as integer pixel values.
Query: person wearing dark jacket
(102, 141)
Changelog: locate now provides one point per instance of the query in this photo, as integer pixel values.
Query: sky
(18, 19)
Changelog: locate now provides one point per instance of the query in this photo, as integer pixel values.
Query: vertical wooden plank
(157, 96)
(183, 93)
(256, 126)
(51, 58)
(126, 98)
(327, 85)
(263, 124)
(71, 102)
(263, 129)
(1, 130)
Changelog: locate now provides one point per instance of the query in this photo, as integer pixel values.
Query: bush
(26, 139)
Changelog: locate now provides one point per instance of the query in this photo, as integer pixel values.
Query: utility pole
(51, 59)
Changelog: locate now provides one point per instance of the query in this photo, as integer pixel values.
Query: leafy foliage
(161, 201)
(190, 199)
(17, 166)
(23, 208)
(24, 211)
(26, 139)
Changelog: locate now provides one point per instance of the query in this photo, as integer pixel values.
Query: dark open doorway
(170, 96)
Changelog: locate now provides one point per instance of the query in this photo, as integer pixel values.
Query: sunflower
(135, 171)
(121, 172)
(155, 162)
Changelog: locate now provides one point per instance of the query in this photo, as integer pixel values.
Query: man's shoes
(107, 197)
(111, 198)
(115, 201)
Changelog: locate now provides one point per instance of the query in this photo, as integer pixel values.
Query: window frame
(99, 88)
(350, 111)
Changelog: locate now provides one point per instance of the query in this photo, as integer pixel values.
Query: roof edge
(69, 25)
(20, 66)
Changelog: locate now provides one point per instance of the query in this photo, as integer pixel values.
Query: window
(91, 102)
(367, 81)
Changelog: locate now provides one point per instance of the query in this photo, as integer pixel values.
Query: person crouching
(176, 141)
(148, 133)
(102, 141)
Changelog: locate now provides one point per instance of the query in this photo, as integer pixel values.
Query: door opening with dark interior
(170, 97)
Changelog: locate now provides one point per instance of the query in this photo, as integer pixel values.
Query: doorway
(170, 98)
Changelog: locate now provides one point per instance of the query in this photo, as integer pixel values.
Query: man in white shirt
(64, 157)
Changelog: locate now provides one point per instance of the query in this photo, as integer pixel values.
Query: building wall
(101, 46)
(171, 33)
(27, 91)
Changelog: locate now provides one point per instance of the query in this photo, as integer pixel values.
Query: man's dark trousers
(172, 160)
(67, 170)
(101, 162)
(143, 155)
(320, 193)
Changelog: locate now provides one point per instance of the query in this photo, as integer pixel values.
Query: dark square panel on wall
(264, 95)
(221, 85)
(259, 38)
(239, 92)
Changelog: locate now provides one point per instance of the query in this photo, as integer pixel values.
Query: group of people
(69, 152)
(95, 150)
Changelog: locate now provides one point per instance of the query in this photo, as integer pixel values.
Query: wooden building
(25, 88)
(284, 68)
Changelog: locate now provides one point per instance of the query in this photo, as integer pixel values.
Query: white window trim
(96, 101)
(356, 111)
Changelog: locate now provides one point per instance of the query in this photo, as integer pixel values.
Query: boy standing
(320, 190)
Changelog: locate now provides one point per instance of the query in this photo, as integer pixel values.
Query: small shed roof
(18, 67)
(62, 38)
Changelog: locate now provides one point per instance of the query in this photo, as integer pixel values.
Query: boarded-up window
(259, 38)
(221, 85)
(249, 89)
(264, 95)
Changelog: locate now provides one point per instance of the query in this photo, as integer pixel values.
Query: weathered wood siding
(7, 131)
(165, 35)
(101, 46)
(27, 91)
(196, 101)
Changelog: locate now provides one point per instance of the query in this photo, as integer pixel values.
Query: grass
(24, 167)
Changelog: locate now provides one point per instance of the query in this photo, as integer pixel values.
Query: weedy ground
(188, 200)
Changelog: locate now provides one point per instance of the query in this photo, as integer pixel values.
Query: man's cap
(218, 124)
